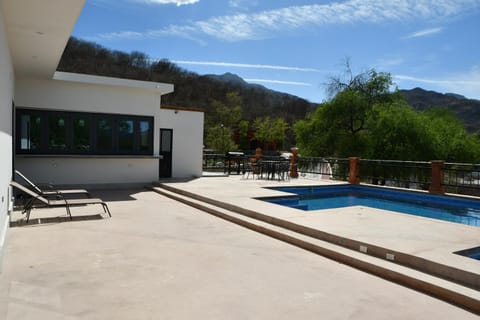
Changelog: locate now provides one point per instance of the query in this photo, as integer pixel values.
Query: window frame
(93, 118)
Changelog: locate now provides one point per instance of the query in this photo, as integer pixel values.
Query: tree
(450, 140)
(269, 131)
(221, 122)
(365, 119)
(219, 138)
(243, 142)
(372, 85)
(397, 132)
(339, 126)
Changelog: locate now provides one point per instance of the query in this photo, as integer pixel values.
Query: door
(166, 138)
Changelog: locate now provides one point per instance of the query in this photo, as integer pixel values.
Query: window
(28, 132)
(104, 135)
(53, 132)
(81, 133)
(145, 135)
(125, 135)
(57, 139)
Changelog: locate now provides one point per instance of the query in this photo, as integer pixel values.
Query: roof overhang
(161, 88)
(37, 32)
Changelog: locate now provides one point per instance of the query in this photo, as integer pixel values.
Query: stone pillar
(258, 154)
(437, 177)
(354, 175)
(293, 163)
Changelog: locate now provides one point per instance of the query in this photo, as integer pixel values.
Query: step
(448, 291)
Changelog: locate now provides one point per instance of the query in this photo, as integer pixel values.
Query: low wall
(77, 170)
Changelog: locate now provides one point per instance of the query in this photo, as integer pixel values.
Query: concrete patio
(159, 259)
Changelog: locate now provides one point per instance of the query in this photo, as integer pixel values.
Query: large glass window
(53, 132)
(104, 134)
(125, 135)
(81, 133)
(28, 132)
(145, 135)
(57, 134)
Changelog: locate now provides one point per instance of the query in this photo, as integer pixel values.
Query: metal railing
(213, 162)
(462, 178)
(403, 174)
(323, 168)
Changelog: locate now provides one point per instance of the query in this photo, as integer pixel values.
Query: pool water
(473, 253)
(447, 208)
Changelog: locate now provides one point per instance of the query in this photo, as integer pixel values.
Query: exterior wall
(69, 96)
(6, 97)
(88, 171)
(187, 140)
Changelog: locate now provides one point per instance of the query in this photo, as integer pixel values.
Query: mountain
(191, 89)
(468, 110)
(200, 91)
(256, 100)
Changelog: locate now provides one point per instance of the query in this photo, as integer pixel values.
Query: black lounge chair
(52, 191)
(59, 201)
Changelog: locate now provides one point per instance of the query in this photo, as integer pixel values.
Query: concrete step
(452, 292)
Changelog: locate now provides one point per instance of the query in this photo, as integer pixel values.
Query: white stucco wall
(69, 96)
(187, 141)
(6, 96)
(88, 171)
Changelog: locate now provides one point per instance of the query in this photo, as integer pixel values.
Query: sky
(296, 46)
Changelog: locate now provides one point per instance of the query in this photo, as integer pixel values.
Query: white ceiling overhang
(38, 31)
(161, 88)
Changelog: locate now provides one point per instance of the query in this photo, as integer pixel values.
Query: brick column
(293, 163)
(354, 175)
(437, 177)
(258, 154)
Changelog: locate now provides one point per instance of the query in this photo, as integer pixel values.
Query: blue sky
(295, 46)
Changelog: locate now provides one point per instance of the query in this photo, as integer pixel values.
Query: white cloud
(245, 65)
(176, 2)
(466, 83)
(271, 23)
(424, 33)
(242, 4)
(387, 63)
(291, 83)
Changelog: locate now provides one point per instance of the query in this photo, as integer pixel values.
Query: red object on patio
(437, 177)
(293, 161)
(354, 175)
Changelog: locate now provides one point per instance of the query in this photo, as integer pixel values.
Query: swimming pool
(473, 253)
(447, 208)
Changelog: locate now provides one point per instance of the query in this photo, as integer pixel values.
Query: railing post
(258, 154)
(293, 163)
(437, 177)
(354, 174)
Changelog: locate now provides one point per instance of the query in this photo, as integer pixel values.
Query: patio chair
(52, 191)
(59, 201)
(254, 168)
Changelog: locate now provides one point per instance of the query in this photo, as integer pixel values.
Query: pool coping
(450, 273)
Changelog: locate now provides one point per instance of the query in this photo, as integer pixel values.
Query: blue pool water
(473, 253)
(448, 208)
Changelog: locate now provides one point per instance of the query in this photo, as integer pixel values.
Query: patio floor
(159, 259)
(428, 238)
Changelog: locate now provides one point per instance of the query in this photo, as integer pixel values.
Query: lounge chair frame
(60, 201)
(52, 190)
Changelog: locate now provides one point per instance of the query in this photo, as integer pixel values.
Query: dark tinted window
(29, 132)
(53, 132)
(57, 132)
(81, 133)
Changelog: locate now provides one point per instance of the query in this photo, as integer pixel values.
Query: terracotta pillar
(258, 154)
(354, 175)
(437, 177)
(293, 163)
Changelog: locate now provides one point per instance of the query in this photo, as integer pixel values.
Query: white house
(77, 129)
